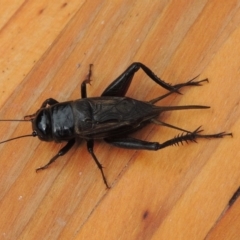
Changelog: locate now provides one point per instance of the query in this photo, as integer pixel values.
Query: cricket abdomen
(110, 116)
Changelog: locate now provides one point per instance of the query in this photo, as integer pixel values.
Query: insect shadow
(111, 117)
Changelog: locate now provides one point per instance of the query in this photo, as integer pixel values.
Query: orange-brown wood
(176, 193)
(228, 225)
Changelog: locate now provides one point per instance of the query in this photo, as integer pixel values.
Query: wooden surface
(177, 193)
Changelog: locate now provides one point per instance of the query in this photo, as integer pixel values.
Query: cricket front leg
(63, 151)
(85, 82)
(49, 101)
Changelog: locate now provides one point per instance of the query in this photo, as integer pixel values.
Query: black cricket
(111, 117)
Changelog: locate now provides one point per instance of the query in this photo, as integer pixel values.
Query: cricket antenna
(33, 134)
(15, 120)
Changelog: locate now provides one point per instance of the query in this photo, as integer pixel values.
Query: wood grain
(176, 193)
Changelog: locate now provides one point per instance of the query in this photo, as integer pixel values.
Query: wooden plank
(176, 193)
(228, 226)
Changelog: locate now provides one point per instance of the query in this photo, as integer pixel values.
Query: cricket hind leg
(132, 143)
(119, 86)
(191, 137)
(178, 87)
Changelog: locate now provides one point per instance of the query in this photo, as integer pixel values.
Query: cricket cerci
(111, 117)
